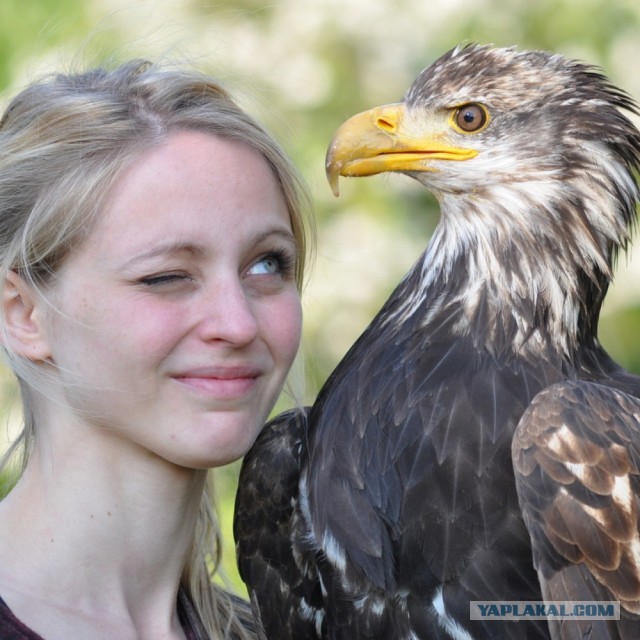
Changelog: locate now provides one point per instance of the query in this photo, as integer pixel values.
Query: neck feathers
(526, 265)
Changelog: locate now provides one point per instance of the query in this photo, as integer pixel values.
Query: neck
(111, 530)
(524, 267)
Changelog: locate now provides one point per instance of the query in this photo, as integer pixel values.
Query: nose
(228, 314)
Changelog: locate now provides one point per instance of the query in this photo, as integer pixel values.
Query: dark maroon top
(11, 628)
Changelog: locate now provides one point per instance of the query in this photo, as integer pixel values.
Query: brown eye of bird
(471, 117)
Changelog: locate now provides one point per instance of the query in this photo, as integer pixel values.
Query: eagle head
(482, 116)
(532, 160)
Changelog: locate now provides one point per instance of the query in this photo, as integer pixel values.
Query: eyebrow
(168, 248)
(281, 233)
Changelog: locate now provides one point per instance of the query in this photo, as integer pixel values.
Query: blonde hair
(64, 140)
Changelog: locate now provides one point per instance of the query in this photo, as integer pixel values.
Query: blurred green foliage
(305, 66)
(33, 28)
(620, 333)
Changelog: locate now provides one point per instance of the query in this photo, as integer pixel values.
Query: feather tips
(576, 453)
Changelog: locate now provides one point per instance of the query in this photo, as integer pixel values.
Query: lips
(220, 382)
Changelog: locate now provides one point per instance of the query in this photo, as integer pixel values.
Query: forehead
(200, 171)
(193, 159)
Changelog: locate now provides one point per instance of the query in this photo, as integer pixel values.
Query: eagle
(476, 443)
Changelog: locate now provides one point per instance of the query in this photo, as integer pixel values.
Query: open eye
(470, 117)
(277, 262)
(267, 266)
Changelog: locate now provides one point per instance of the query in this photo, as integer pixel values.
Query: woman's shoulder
(240, 609)
(11, 628)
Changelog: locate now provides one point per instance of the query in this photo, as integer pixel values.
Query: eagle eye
(470, 117)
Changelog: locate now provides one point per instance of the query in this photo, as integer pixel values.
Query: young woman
(152, 244)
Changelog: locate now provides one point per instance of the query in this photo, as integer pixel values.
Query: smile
(221, 383)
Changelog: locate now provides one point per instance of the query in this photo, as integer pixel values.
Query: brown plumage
(476, 443)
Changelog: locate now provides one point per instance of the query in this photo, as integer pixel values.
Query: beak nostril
(385, 124)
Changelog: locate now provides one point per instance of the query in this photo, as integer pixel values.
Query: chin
(215, 452)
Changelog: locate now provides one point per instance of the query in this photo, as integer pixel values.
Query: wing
(576, 455)
(411, 490)
(281, 578)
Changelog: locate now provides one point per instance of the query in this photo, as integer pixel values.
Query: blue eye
(274, 263)
(268, 265)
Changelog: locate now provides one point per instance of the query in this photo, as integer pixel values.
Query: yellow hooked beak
(386, 139)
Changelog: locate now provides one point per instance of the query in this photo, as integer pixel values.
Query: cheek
(151, 329)
(282, 329)
(124, 336)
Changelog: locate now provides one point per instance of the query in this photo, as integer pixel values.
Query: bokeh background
(302, 67)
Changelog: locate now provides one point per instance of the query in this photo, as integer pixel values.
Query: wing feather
(280, 576)
(575, 454)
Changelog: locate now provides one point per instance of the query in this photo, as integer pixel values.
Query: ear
(22, 310)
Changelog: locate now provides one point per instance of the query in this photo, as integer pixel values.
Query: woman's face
(178, 318)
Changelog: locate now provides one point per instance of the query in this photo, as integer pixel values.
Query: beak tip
(333, 183)
(333, 175)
